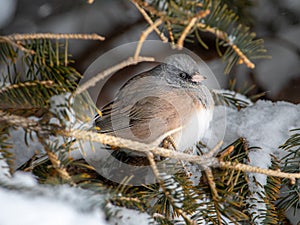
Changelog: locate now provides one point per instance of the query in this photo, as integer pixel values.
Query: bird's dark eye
(183, 75)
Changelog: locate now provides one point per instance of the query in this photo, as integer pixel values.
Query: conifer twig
(17, 45)
(21, 37)
(20, 121)
(149, 20)
(203, 160)
(155, 170)
(224, 36)
(254, 169)
(211, 182)
(46, 83)
(190, 23)
(57, 166)
(92, 82)
(144, 36)
(185, 32)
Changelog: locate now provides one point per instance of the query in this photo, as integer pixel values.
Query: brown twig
(92, 82)
(224, 36)
(20, 121)
(155, 170)
(17, 45)
(254, 169)
(57, 166)
(203, 160)
(46, 83)
(204, 27)
(144, 36)
(149, 20)
(212, 152)
(212, 184)
(171, 35)
(21, 37)
(185, 32)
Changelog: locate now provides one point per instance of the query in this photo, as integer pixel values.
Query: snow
(129, 216)
(4, 168)
(46, 205)
(265, 125)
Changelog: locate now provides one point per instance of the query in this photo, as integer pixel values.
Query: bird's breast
(194, 129)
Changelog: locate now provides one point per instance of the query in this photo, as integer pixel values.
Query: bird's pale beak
(197, 77)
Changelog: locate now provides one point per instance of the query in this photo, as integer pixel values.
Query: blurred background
(277, 22)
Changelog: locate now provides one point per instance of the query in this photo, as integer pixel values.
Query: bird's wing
(145, 119)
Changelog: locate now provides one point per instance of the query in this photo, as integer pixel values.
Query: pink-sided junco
(166, 101)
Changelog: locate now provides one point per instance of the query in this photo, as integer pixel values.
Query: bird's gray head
(182, 69)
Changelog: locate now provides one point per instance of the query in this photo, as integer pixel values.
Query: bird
(166, 104)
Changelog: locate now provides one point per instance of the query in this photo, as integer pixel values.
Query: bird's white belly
(193, 131)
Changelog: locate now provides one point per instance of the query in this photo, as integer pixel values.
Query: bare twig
(155, 170)
(21, 37)
(144, 36)
(185, 32)
(46, 83)
(137, 146)
(254, 169)
(242, 56)
(19, 46)
(212, 152)
(20, 121)
(204, 27)
(57, 166)
(171, 35)
(212, 184)
(224, 36)
(92, 82)
(149, 20)
(203, 160)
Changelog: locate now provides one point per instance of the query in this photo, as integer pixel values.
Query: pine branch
(291, 165)
(102, 75)
(23, 37)
(183, 19)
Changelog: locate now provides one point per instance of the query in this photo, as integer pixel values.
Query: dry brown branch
(212, 152)
(173, 20)
(19, 121)
(46, 83)
(203, 13)
(144, 36)
(212, 184)
(185, 32)
(171, 35)
(254, 169)
(242, 56)
(21, 37)
(204, 161)
(57, 166)
(19, 46)
(155, 170)
(138, 146)
(92, 82)
(149, 20)
(224, 36)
